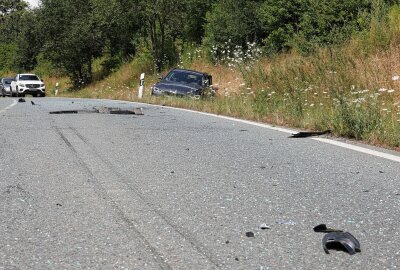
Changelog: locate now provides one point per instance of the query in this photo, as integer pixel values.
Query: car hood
(176, 88)
(31, 82)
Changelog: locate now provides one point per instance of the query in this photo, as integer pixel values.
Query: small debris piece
(108, 110)
(64, 112)
(237, 259)
(286, 222)
(264, 226)
(381, 172)
(227, 242)
(322, 228)
(305, 134)
(59, 204)
(243, 130)
(33, 103)
(138, 111)
(21, 100)
(262, 167)
(342, 241)
(250, 234)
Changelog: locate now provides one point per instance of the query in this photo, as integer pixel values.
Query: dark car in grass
(184, 82)
(5, 84)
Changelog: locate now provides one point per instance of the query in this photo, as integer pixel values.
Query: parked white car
(27, 84)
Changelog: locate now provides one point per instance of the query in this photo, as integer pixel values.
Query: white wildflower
(395, 77)
(382, 90)
(390, 91)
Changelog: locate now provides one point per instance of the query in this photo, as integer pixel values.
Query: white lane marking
(360, 149)
(324, 140)
(9, 106)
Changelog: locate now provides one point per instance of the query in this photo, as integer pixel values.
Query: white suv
(27, 84)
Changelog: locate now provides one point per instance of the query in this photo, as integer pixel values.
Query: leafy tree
(73, 35)
(306, 24)
(11, 12)
(233, 22)
(280, 20)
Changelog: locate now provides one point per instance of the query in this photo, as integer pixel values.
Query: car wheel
(43, 95)
(34, 95)
(2, 93)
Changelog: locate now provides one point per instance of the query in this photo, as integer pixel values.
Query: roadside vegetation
(303, 63)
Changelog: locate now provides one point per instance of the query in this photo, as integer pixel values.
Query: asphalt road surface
(172, 189)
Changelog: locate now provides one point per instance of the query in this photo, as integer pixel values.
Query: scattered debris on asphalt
(305, 134)
(322, 228)
(338, 240)
(65, 112)
(286, 222)
(341, 241)
(109, 110)
(103, 110)
(250, 234)
(59, 204)
(264, 226)
(21, 100)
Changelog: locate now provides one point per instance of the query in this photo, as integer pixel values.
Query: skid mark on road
(193, 247)
(102, 193)
(172, 248)
(9, 106)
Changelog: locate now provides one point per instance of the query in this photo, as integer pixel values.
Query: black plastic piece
(323, 229)
(343, 241)
(305, 134)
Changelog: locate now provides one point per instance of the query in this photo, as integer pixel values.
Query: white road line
(360, 149)
(9, 106)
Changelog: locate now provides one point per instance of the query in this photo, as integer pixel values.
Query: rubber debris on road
(305, 134)
(249, 234)
(21, 100)
(322, 228)
(338, 240)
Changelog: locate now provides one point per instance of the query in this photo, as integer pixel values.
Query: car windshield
(184, 77)
(28, 78)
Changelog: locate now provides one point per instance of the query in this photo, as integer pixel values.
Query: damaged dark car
(184, 83)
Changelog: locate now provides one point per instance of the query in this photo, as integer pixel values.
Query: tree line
(69, 35)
